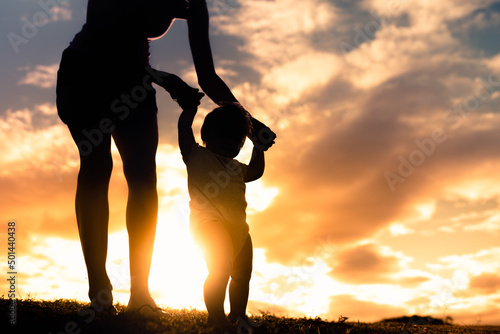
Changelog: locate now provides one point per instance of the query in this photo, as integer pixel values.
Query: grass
(61, 316)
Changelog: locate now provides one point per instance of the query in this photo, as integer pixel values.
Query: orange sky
(380, 198)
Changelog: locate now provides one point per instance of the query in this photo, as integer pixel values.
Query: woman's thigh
(83, 104)
(90, 132)
(136, 137)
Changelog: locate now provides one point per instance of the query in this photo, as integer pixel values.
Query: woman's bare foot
(145, 306)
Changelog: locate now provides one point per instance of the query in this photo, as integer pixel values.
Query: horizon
(380, 198)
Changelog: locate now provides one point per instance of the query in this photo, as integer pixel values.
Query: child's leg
(240, 281)
(218, 249)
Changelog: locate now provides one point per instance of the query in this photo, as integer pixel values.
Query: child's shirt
(217, 191)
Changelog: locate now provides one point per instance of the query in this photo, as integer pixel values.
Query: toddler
(216, 184)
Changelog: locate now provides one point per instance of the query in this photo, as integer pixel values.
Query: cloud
(337, 165)
(411, 281)
(295, 78)
(36, 139)
(40, 166)
(474, 263)
(61, 13)
(364, 264)
(43, 76)
(370, 263)
(479, 28)
(50, 11)
(464, 214)
(447, 208)
(486, 283)
(281, 33)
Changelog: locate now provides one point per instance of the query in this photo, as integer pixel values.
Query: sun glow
(426, 210)
(399, 229)
(178, 270)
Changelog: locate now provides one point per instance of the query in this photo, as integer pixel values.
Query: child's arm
(185, 131)
(256, 166)
(189, 105)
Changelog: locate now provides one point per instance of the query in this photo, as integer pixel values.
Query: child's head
(225, 128)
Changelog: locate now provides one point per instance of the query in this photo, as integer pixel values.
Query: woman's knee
(140, 174)
(97, 166)
(98, 170)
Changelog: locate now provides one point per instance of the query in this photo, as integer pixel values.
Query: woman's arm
(209, 81)
(199, 41)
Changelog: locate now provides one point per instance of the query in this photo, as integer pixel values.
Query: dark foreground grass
(62, 316)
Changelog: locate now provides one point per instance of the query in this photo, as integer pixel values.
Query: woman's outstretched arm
(211, 84)
(198, 24)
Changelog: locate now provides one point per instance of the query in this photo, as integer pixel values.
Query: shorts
(91, 95)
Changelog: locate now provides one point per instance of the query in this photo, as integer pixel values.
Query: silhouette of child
(216, 184)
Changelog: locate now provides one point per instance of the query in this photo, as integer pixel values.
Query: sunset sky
(381, 196)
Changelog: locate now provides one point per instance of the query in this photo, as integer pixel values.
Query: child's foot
(246, 325)
(225, 329)
(221, 326)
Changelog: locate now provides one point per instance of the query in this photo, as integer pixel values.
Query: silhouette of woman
(104, 91)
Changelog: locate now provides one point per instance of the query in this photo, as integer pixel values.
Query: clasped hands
(188, 97)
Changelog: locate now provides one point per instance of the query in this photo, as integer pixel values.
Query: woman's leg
(81, 105)
(240, 282)
(137, 142)
(92, 213)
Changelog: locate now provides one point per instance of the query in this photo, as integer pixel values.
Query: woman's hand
(190, 100)
(262, 136)
(185, 95)
(179, 90)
